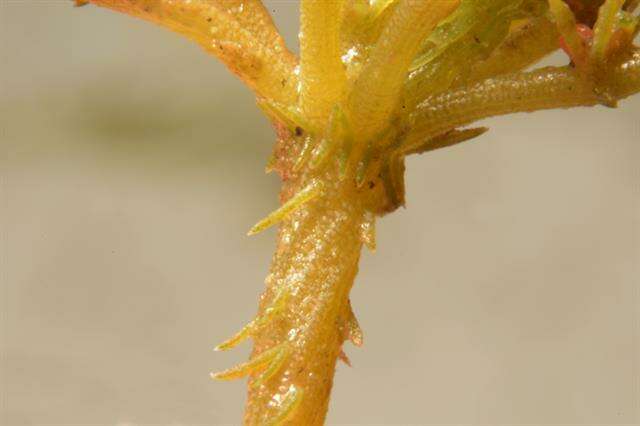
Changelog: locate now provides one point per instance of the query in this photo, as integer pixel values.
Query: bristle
(271, 163)
(363, 166)
(291, 402)
(341, 132)
(305, 152)
(344, 358)
(254, 365)
(336, 134)
(237, 338)
(249, 329)
(354, 332)
(311, 191)
(274, 366)
(445, 140)
(321, 153)
(343, 158)
(289, 116)
(392, 176)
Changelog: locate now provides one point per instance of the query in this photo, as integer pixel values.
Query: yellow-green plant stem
(316, 261)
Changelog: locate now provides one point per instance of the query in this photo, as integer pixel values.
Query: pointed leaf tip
(314, 189)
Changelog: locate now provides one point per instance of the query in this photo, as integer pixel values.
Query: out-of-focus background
(132, 167)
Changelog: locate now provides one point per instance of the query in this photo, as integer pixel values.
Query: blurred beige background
(132, 166)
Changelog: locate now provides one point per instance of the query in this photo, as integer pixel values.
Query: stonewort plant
(376, 81)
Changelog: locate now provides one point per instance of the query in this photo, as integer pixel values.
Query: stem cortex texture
(314, 266)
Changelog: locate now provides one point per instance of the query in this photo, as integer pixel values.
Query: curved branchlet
(604, 69)
(239, 32)
(323, 75)
(375, 92)
(546, 88)
(467, 37)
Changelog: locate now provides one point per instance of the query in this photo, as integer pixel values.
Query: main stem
(314, 266)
